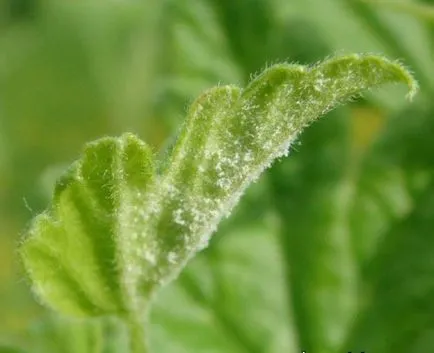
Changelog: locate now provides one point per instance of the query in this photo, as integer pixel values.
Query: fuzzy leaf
(80, 254)
(55, 334)
(231, 135)
(117, 230)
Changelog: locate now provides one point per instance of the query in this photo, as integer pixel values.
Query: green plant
(121, 224)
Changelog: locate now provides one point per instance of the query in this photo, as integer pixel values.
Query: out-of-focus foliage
(332, 251)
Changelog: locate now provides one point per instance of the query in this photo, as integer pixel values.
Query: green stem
(138, 342)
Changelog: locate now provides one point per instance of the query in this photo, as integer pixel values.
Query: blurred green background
(331, 251)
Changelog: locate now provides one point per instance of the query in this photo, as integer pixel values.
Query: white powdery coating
(172, 257)
(237, 143)
(230, 137)
(226, 165)
(231, 167)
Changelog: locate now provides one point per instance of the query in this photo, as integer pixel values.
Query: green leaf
(194, 55)
(396, 43)
(76, 252)
(419, 10)
(361, 28)
(55, 334)
(6, 349)
(251, 29)
(311, 195)
(231, 297)
(117, 230)
(391, 223)
(389, 322)
(392, 176)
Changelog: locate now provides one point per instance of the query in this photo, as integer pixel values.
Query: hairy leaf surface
(75, 252)
(118, 230)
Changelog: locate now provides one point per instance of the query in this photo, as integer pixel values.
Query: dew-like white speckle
(172, 257)
(177, 217)
(224, 183)
(236, 149)
(268, 145)
(248, 156)
(149, 256)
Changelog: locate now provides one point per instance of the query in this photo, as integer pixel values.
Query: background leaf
(219, 296)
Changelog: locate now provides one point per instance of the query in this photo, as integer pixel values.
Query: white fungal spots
(268, 145)
(248, 156)
(230, 137)
(150, 256)
(172, 257)
(224, 183)
(177, 216)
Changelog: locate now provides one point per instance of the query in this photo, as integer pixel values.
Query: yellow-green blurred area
(332, 250)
